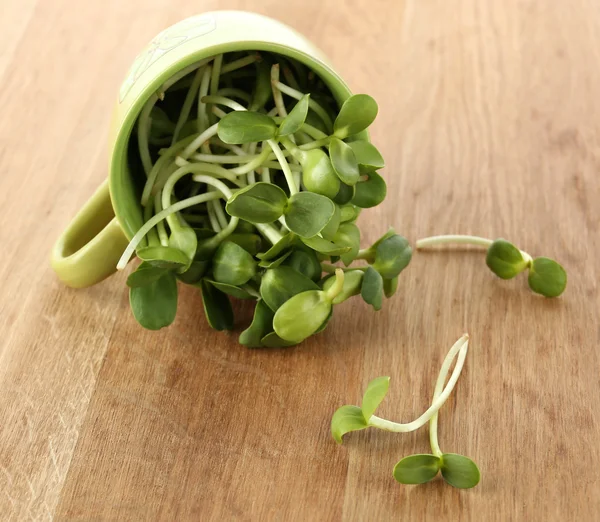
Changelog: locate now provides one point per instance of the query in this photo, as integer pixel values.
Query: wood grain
(489, 123)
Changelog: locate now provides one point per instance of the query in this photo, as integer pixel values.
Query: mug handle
(90, 247)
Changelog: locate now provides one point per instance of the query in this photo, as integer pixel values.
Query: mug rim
(118, 158)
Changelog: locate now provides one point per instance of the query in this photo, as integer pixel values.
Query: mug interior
(126, 174)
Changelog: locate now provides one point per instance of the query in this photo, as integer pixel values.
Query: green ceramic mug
(88, 250)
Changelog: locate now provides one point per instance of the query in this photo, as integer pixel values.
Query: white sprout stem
(277, 97)
(276, 165)
(290, 78)
(219, 185)
(270, 233)
(273, 112)
(216, 73)
(318, 109)
(222, 100)
(322, 142)
(202, 120)
(337, 286)
(158, 218)
(439, 385)
(160, 227)
(209, 168)
(254, 164)
(313, 132)
(287, 172)
(250, 176)
(200, 140)
(219, 113)
(233, 92)
(238, 64)
(464, 240)
(153, 239)
(221, 217)
(143, 129)
(187, 104)
(461, 346)
(265, 175)
(212, 217)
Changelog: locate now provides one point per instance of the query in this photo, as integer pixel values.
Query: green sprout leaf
(232, 265)
(272, 340)
(239, 127)
(367, 154)
(217, 307)
(333, 224)
(505, 259)
(233, 291)
(280, 284)
(372, 288)
(547, 277)
(371, 192)
(390, 286)
(258, 203)
(297, 116)
(146, 274)
(307, 213)
(262, 324)
(356, 114)
(274, 263)
(318, 175)
(163, 257)
(285, 242)
(352, 285)
(417, 469)
(345, 194)
(154, 305)
(302, 315)
(349, 213)
(346, 419)
(305, 261)
(375, 393)
(392, 256)
(185, 240)
(344, 161)
(251, 243)
(348, 235)
(459, 471)
(194, 273)
(324, 247)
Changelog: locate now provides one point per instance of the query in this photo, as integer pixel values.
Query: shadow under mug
(91, 245)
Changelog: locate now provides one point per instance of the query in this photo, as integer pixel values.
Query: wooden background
(490, 124)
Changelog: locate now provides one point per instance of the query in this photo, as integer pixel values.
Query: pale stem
(187, 105)
(240, 63)
(318, 109)
(269, 232)
(237, 93)
(143, 129)
(265, 175)
(220, 214)
(219, 113)
(222, 100)
(160, 227)
(202, 114)
(439, 385)
(337, 286)
(152, 236)
(289, 177)
(212, 217)
(323, 142)
(387, 425)
(277, 97)
(200, 140)
(250, 176)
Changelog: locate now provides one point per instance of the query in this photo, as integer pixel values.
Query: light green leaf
(274, 263)
(356, 114)
(217, 307)
(154, 306)
(371, 192)
(344, 161)
(346, 419)
(333, 224)
(233, 291)
(185, 240)
(352, 285)
(163, 257)
(239, 127)
(547, 277)
(272, 340)
(280, 284)
(390, 286)
(318, 175)
(232, 265)
(505, 259)
(392, 256)
(345, 194)
(348, 235)
(304, 260)
(349, 213)
(459, 471)
(307, 213)
(262, 324)
(324, 247)
(286, 241)
(146, 274)
(258, 203)
(367, 154)
(294, 120)
(301, 315)
(417, 469)
(372, 288)
(250, 242)
(374, 394)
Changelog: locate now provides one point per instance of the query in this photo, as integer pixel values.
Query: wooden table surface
(489, 123)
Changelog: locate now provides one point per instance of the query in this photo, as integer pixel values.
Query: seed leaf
(307, 213)
(345, 194)
(163, 257)
(301, 315)
(232, 265)
(258, 203)
(146, 274)
(262, 324)
(390, 286)
(372, 288)
(239, 127)
(356, 114)
(333, 224)
(346, 419)
(282, 283)
(417, 469)
(217, 307)
(371, 192)
(547, 277)
(272, 340)
(348, 235)
(274, 263)
(344, 161)
(459, 471)
(185, 240)
(297, 116)
(324, 247)
(392, 256)
(155, 305)
(367, 154)
(505, 259)
(248, 241)
(352, 285)
(374, 394)
(233, 291)
(305, 261)
(285, 242)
